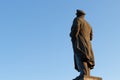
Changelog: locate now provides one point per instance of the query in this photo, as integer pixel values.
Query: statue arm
(78, 28)
(91, 35)
(75, 28)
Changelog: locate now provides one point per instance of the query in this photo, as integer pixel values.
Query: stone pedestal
(92, 78)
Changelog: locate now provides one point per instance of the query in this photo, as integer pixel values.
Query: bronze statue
(81, 36)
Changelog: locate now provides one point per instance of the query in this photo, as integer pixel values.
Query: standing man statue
(81, 35)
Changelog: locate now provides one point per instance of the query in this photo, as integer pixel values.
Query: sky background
(35, 42)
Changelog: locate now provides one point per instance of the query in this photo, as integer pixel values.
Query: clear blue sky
(35, 42)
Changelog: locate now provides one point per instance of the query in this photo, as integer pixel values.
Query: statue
(81, 36)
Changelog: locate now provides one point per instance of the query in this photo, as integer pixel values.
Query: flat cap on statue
(80, 12)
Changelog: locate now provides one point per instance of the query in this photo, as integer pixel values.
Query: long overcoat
(82, 43)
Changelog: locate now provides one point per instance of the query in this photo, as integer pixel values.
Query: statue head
(80, 12)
